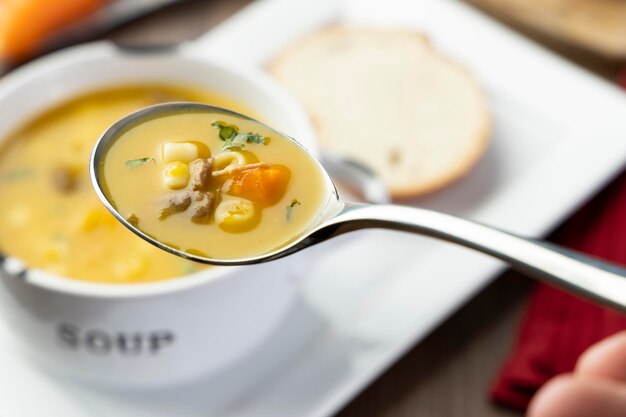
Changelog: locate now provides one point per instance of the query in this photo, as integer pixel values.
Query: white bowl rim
(103, 49)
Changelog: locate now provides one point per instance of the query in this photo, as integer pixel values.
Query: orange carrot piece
(263, 186)
(25, 23)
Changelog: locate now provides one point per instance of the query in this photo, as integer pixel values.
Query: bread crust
(480, 140)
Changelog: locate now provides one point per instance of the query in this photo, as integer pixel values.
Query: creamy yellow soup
(50, 216)
(215, 185)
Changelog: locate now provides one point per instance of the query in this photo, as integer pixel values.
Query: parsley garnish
(232, 139)
(134, 163)
(294, 202)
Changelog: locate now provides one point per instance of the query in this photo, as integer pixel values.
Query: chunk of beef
(200, 173)
(175, 203)
(202, 207)
(64, 179)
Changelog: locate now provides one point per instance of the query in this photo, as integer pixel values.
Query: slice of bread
(597, 25)
(389, 100)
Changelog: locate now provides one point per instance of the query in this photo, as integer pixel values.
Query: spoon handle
(586, 276)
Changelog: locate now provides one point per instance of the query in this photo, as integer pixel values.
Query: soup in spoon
(212, 184)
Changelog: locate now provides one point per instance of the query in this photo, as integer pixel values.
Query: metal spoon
(356, 176)
(583, 275)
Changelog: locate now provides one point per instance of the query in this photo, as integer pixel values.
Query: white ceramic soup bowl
(157, 333)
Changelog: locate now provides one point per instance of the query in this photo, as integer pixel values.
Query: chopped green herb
(17, 174)
(290, 207)
(235, 140)
(134, 163)
(227, 131)
(253, 138)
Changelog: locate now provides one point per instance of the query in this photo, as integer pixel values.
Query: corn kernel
(229, 158)
(179, 151)
(95, 218)
(176, 175)
(236, 215)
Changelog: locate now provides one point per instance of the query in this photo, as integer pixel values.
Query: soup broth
(215, 185)
(50, 216)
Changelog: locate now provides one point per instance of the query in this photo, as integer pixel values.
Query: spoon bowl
(586, 276)
(330, 207)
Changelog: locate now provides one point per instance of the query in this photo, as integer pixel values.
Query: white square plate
(559, 134)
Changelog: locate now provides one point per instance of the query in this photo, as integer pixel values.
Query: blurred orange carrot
(25, 23)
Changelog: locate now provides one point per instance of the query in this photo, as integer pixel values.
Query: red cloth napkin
(558, 327)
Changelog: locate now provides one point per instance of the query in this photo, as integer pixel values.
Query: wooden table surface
(447, 374)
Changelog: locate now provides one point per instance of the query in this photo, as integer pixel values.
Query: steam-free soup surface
(50, 215)
(215, 185)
